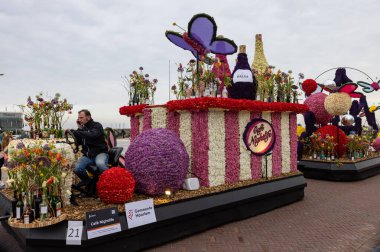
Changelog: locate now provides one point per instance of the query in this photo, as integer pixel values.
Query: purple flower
(46, 147)
(54, 101)
(20, 145)
(192, 61)
(141, 68)
(155, 81)
(301, 75)
(146, 75)
(40, 99)
(30, 102)
(42, 161)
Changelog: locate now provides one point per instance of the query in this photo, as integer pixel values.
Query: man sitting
(91, 136)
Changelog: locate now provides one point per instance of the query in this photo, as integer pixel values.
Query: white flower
(63, 175)
(44, 184)
(68, 192)
(10, 182)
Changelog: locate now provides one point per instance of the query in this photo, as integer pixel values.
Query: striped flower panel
(200, 146)
(186, 134)
(266, 161)
(255, 160)
(174, 121)
(285, 143)
(159, 117)
(293, 141)
(147, 121)
(232, 139)
(245, 155)
(276, 152)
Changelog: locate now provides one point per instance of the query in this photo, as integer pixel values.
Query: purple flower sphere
(316, 104)
(158, 160)
(376, 144)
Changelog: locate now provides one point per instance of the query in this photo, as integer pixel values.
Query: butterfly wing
(366, 86)
(349, 88)
(203, 28)
(178, 40)
(223, 46)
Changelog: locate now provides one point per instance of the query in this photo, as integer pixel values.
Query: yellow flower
(372, 108)
(300, 130)
(378, 135)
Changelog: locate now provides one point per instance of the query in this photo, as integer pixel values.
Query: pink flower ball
(376, 144)
(316, 104)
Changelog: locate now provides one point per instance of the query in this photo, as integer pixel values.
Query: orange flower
(50, 180)
(58, 157)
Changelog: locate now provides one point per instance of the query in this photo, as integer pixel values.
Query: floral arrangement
(45, 115)
(140, 88)
(357, 146)
(116, 185)
(192, 83)
(277, 86)
(39, 169)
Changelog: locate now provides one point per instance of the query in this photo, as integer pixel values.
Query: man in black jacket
(90, 135)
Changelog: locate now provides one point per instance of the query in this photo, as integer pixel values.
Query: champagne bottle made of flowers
(244, 84)
(14, 203)
(19, 207)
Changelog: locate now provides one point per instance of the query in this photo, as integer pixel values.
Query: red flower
(332, 130)
(50, 180)
(116, 185)
(132, 110)
(309, 86)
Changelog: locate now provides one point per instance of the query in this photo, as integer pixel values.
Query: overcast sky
(81, 48)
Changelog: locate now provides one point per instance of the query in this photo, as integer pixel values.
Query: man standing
(91, 136)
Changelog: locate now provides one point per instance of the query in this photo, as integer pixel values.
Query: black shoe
(79, 186)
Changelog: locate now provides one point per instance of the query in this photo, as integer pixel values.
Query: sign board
(74, 232)
(140, 213)
(102, 222)
(259, 136)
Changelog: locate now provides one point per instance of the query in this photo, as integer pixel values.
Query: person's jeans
(101, 161)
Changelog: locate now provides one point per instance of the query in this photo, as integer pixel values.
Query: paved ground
(332, 217)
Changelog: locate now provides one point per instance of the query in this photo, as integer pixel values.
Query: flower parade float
(197, 162)
(335, 145)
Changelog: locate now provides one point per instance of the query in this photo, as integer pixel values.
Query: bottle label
(18, 212)
(242, 75)
(43, 209)
(26, 219)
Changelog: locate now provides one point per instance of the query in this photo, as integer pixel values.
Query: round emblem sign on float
(259, 137)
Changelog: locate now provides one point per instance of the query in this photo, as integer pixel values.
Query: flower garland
(116, 185)
(286, 144)
(232, 146)
(276, 156)
(205, 103)
(255, 160)
(293, 141)
(245, 155)
(159, 117)
(185, 133)
(267, 116)
(132, 110)
(217, 147)
(200, 146)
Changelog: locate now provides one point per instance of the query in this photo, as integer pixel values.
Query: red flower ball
(332, 130)
(309, 86)
(116, 185)
(376, 144)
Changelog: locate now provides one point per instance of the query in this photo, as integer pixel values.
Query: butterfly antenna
(175, 24)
